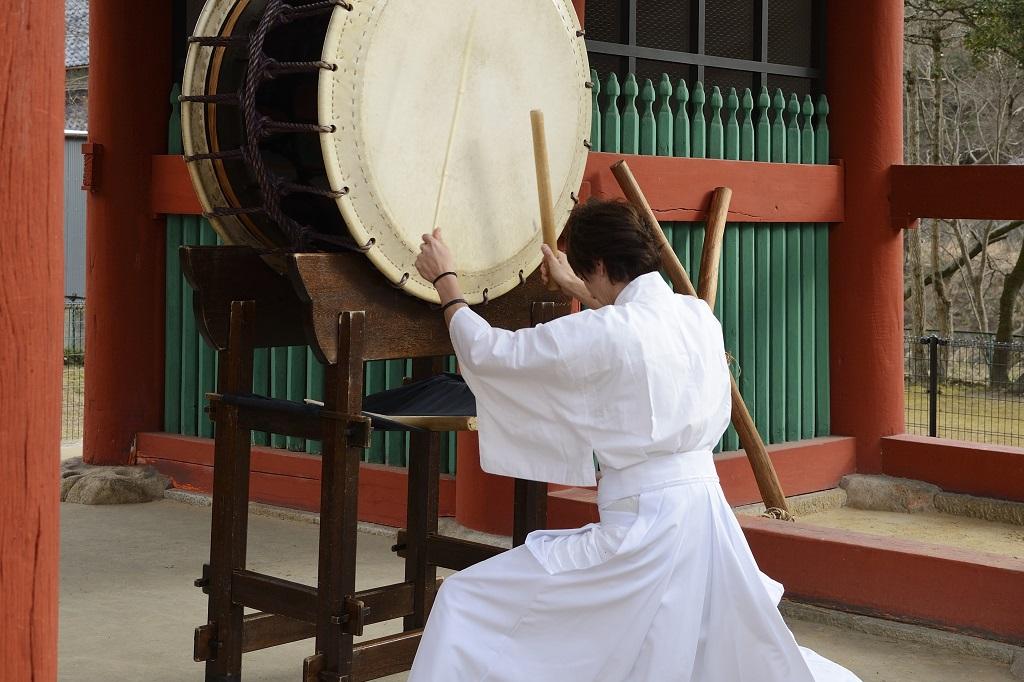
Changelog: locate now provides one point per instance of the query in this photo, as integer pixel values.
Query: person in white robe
(664, 588)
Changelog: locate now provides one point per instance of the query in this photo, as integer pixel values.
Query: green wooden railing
(774, 277)
(773, 281)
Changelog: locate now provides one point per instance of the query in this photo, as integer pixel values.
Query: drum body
(335, 125)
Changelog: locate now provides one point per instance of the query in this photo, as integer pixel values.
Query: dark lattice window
(730, 43)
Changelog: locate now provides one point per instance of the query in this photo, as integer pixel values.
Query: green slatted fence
(773, 295)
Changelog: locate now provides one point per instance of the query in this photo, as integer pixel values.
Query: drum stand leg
(229, 523)
(339, 616)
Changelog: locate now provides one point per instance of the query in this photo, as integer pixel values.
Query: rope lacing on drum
(290, 13)
(402, 282)
(264, 126)
(273, 68)
(224, 211)
(285, 188)
(260, 68)
(219, 98)
(219, 41)
(221, 155)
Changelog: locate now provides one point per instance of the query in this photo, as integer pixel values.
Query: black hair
(613, 232)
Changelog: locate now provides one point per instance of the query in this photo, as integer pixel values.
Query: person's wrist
(448, 288)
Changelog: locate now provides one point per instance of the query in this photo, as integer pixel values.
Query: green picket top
(681, 147)
(778, 127)
(732, 126)
(747, 127)
(595, 111)
(664, 119)
(821, 130)
(807, 131)
(716, 141)
(764, 127)
(612, 135)
(648, 125)
(698, 128)
(630, 117)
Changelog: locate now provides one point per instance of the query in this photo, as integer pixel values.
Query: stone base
(87, 484)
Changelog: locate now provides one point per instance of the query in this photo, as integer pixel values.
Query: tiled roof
(76, 41)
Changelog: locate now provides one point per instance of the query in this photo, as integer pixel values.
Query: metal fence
(965, 388)
(74, 368)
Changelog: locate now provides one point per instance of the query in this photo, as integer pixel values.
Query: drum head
(390, 103)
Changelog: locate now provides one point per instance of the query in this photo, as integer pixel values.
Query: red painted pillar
(129, 84)
(482, 501)
(865, 90)
(31, 333)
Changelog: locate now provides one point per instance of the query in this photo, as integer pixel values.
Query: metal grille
(606, 20)
(73, 402)
(649, 68)
(800, 86)
(664, 24)
(730, 28)
(789, 41)
(968, 389)
(606, 64)
(727, 78)
(712, 37)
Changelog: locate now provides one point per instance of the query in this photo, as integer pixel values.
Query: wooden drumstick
(455, 119)
(540, 159)
(764, 472)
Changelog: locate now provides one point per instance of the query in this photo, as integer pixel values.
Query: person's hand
(555, 268)
(434, 258)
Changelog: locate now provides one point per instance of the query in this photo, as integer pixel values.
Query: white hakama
(664, 588)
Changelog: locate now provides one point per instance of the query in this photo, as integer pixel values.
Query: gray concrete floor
(128, 608)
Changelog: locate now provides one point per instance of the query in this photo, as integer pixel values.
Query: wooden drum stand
(348, 314)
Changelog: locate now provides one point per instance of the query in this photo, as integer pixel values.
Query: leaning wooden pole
(750, 439)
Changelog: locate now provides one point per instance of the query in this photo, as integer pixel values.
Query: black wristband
(452, 302)
(442, 275)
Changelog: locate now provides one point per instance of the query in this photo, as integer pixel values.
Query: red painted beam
(957, 466)
(31, 294)
(932, 585)
(172, 192)
(983, 192)
(678, 189)
(284, 478)
(803, 467)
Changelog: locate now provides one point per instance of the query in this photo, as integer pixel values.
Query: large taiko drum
(331, 125)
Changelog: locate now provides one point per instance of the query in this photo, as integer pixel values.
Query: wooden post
(230, 514)
(129, 83)
(865, 86)
(31, 294)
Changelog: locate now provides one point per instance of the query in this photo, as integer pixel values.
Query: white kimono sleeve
(531, 410)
